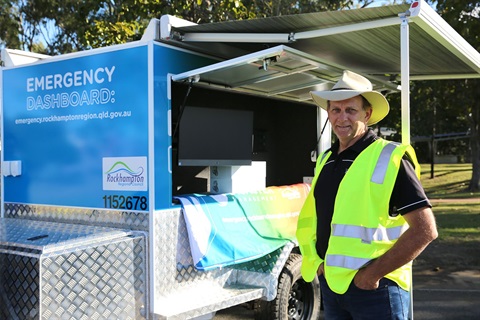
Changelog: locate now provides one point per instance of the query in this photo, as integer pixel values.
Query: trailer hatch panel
(280, 72)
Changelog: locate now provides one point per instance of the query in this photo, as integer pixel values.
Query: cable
(315, 149)
(182, 107)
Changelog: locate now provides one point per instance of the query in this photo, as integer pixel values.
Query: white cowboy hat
(349, 86)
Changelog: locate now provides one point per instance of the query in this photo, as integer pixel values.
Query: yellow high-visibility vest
(361, 227)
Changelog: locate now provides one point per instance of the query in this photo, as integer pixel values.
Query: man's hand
(364, 281)
(422, 230)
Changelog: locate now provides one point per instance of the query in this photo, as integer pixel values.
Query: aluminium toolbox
(55, 270)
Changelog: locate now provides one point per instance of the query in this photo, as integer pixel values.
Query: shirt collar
(360, 145)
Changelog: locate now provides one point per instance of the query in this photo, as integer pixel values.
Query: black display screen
(215, 137)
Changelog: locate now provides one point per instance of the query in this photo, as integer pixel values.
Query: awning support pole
(405, 99)
(405, 76)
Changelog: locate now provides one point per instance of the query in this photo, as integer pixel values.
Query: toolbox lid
(47, 237)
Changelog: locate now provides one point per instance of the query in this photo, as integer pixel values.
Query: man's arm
(422, 230)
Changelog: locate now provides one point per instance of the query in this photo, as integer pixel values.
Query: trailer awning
(309, 51)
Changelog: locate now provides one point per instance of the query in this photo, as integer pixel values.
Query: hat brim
(380, 106)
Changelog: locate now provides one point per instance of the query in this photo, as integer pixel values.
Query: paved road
(433, 304)
(453, 297)
(428, 305)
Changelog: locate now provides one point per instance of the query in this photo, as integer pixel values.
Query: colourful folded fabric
(226, 229)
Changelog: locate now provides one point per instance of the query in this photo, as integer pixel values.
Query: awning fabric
(317, 47)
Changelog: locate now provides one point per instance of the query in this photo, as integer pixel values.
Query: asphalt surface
(435, 297)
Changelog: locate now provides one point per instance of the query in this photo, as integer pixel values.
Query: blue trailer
(162, 179)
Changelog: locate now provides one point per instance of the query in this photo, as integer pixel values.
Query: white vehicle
(132, 187)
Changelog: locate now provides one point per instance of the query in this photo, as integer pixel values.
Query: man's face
(348, 119)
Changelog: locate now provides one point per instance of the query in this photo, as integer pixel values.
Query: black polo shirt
(407, 194)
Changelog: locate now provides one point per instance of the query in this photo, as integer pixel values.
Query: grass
(458, 222)
(458, 211)
(450, 181)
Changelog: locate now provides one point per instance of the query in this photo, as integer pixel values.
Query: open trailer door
(390, 45)
(278, 72)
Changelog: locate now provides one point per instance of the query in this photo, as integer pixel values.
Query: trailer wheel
(295, 300)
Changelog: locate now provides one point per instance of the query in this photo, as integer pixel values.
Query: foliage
(9, 24)
(70, 25)
(55, 27)
(447, 106)
(463, 96)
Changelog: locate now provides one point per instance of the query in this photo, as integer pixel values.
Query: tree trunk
(475, 182)
(475, 144)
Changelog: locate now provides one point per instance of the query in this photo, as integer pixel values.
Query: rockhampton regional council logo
(125, 173)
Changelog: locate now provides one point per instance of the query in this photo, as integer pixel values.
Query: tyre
(295, 300)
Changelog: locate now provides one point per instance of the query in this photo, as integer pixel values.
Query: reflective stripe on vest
(352, 263)
(324, 155)
(382, 164)
(367, 235)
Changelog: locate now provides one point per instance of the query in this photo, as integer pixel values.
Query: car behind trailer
(107, 214)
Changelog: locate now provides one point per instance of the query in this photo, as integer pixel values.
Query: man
(366, 217)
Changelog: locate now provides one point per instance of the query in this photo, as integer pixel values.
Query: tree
(9, 25)
(464, 95)
(56, 27)
(456, 102)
